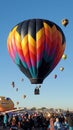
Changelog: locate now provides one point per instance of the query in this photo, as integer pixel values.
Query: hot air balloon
(61, 68)
(17, 102)
(24, 96)
(16, 89)
(6, 104)
(13, 84)
(39, 86)
(22, 79)
(36, 46)
(65, 22)
(55, 76)
(64, 56)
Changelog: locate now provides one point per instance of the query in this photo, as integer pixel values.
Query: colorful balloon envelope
(6, 104)
(36, 46)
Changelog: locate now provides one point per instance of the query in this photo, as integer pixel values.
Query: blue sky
(56, 93)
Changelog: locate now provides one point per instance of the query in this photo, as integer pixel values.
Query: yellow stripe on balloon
(32, 49)
(31, 44)
(10, 37)
(25, 51)
(24, 45)
(28, 42)
(31, 40)
(40, 42)
(17, 36)
(12, 32)
(17, 40)
(39, 34)
(24, 42)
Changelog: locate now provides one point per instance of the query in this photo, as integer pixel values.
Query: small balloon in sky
(55, 76)
(16, 89)
(64, 56)
(61, 68)
(65, 22)
(22, 79)
(13, 84)
(24, 96)
(39, 86)
(17, 102)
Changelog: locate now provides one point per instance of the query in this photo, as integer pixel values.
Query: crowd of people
(37, 121)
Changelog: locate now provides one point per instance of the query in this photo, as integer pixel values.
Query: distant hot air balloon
(17, 103)
(55, 76)
(36, 46)
(65, 22)
(39, 86)
(16, 89)
(13, 84)
(22, 79)
(64, 56)
(24, 96)
(6, 104)
(61, 68)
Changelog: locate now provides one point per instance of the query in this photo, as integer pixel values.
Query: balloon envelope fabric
(36, 46)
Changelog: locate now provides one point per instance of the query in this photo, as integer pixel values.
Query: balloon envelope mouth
(36, 80)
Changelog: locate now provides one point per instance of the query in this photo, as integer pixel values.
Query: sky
(54, 93)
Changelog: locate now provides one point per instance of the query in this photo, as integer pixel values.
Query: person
(65, 124)
(70, 121)
(57, 124)
(51, 123)
(13, 125)
(5, 120)
(25, 123)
